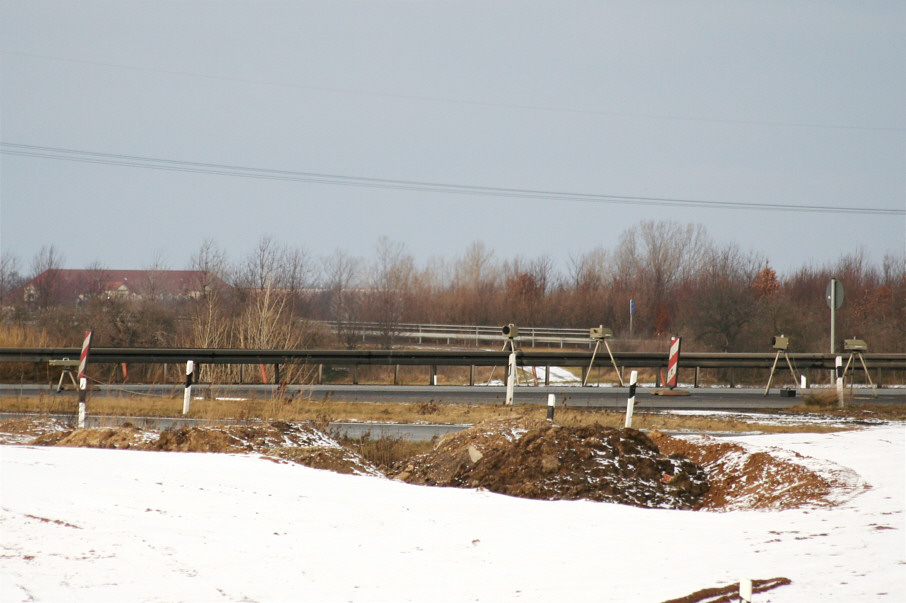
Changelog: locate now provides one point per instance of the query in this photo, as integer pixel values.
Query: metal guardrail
(434, 357)
(477, 333)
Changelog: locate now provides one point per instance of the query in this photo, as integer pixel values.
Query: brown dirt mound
(519, 457)
(341, 460)
(750, 480)
(125, 437)
(544, 461)
(299, 443)
(25, 429)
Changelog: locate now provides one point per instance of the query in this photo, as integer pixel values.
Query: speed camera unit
(855, 345)
(510, 331)
(600, 333)
(779, 342)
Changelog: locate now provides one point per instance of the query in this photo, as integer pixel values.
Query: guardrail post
(396, 374)
(355, 374)
(697, 374)
(320, 374)
(433, 375)
(547, 375)
(276, 374)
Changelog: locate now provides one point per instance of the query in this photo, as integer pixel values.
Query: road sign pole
(631, 312)
(834, 298)
(833, 309)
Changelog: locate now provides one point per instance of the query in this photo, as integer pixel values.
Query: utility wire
(479, 103)
(155, 163)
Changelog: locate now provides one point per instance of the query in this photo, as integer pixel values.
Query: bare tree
(341, 275)
(655, 256)
(297, 274)
(46, 278)
(209, 324)
(722, 303)
(476, 282)
(590, 271)
(10, 277)
(527, 284)
(265, 298)
(151, 289)
(391, 276)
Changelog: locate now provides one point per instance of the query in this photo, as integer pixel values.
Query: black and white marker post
(187, 397)
(630, 405)
(551, 403)
(838, 371)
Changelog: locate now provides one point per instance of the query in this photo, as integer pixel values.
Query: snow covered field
(83, 524)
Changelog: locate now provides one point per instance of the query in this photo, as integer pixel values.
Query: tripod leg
(771, 376)
(614, 362)
(590, 364)
(792, 372)
(874, 390)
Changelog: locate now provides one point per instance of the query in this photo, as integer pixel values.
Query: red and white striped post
(83, 381)
(673, 362)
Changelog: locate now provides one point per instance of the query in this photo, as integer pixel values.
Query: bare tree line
(718, 296)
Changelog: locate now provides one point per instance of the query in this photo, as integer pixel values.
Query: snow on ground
(112, 525)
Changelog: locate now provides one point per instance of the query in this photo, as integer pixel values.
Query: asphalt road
(737, 399)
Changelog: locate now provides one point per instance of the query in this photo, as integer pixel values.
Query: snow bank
(114, 525)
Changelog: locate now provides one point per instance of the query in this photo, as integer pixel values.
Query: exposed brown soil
(294, 442)
(536, 459)
(522, 457)
(729, 594)
(741, 479)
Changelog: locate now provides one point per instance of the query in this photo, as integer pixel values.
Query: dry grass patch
(322, 412)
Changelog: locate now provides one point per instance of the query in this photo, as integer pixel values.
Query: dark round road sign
(834, 294)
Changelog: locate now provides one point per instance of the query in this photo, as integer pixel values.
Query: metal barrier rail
(434, 357)
(479, 333)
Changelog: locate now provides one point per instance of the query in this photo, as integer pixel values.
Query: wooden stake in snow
(630, 404)
(551, 403)
(745, 590)
(187, 397)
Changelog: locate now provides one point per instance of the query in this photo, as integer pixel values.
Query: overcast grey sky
(787, 103)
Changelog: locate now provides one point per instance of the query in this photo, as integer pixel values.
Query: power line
(479, 103)
(155, 163)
